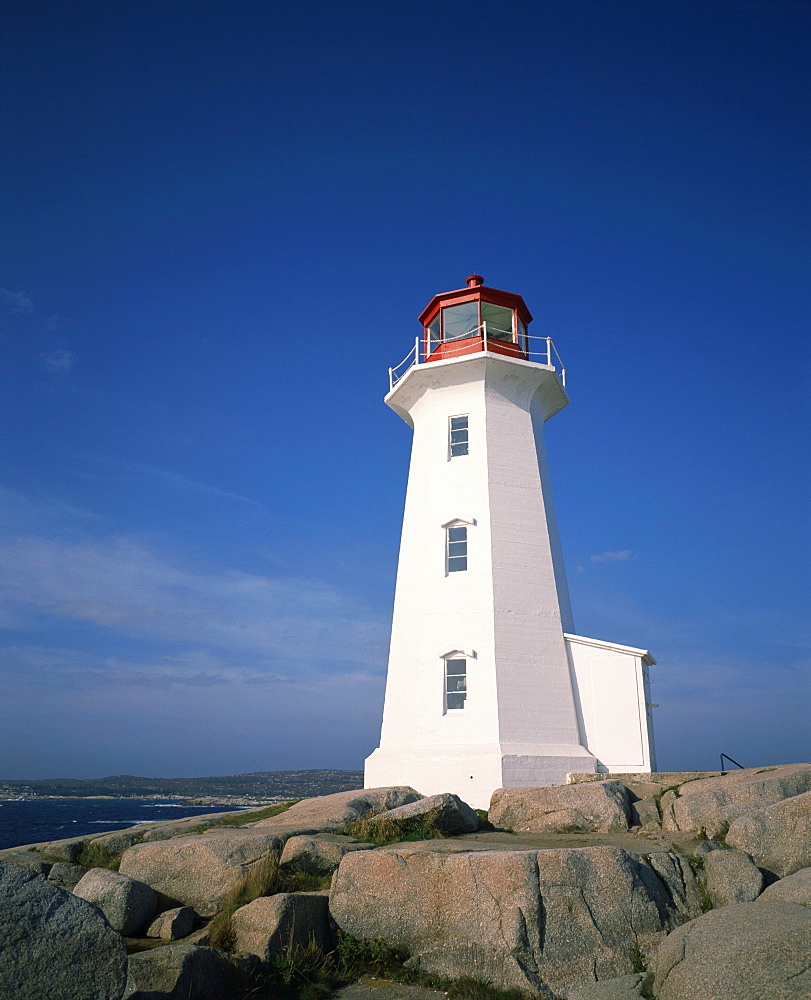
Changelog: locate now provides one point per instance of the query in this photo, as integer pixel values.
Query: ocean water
(31, 821)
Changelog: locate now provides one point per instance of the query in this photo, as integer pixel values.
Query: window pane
(459, 449)
(456, 549)
(457, 534)
(499, 321)
(457, 436)
(433, 334)
(456, 701)
(457, 564)
(455, 666)
(460, 321)
(456, 683)
(458, 423)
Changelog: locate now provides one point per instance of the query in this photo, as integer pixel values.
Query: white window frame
(454, 659)
(452, 430)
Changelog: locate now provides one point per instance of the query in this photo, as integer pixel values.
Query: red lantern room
(474, 319)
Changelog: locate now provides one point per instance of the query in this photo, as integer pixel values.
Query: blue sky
(220, 222)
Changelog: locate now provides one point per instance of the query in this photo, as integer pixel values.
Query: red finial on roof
(474, 281)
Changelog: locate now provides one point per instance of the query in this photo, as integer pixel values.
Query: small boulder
(55, 946)
(645, 812)
(66, 875)
(749, 951)
(200, 870)
(270, 924)
(587, 808)
(327, 813)
(65, 850)
(128, 904)
(778, 837)
(171, 925)
(319, 854)
(179, 972)
(731, 877)
(794, 888)
(447, 811)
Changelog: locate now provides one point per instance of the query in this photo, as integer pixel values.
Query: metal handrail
(725, 756)
(547, 355)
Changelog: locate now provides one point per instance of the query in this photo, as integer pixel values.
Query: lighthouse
(488, 685)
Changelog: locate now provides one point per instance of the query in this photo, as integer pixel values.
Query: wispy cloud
(15, 303)
(177, 480)
(619, 556)
(59, 361)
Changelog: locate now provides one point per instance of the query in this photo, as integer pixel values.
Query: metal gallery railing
(528, 347)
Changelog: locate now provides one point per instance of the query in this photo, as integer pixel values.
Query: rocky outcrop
(179, 972)
(599, 805)
(447, 812)
(731, 877)
(66, 875)
(329, 813)
(712, 804)
(199, 871)
(174, 924)
(289, 919)
(129, 905)
(794, 888)
(750, 951)
(54, 946)
(778, 837)
(319, 854)
(538, 920)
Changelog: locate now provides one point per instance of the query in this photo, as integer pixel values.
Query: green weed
(267, 878)
(382, 830)
(96, 855)
(240, 819)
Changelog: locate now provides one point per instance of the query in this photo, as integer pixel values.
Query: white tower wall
(505, 615)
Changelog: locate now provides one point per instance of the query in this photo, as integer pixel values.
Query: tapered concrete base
(475, 772)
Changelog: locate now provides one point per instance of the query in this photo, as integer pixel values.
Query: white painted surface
(522, 723)
(612, 687)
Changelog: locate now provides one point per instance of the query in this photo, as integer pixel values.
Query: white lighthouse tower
(488, 686)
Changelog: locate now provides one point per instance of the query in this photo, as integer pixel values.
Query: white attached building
(488, 686)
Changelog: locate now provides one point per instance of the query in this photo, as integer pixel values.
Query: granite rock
(270, 924)
(448, 811)
(171, 925)
(328, 813)
(749, 951)
(795, 888)
(199, 870)
(128, 905)
(711, 804)
(546, 921)
(731, 877)
(778, 837)
(586, 808)
(319, 854)
(53, 945)
(179, 972)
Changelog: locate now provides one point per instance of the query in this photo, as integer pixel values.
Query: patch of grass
(381, 830)
(240, 819)
(646, 987)
(309, 974)
(721, 833)
(706, 903)
(484, 822)
(265, 879)
(637, 958)
(96, 855)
